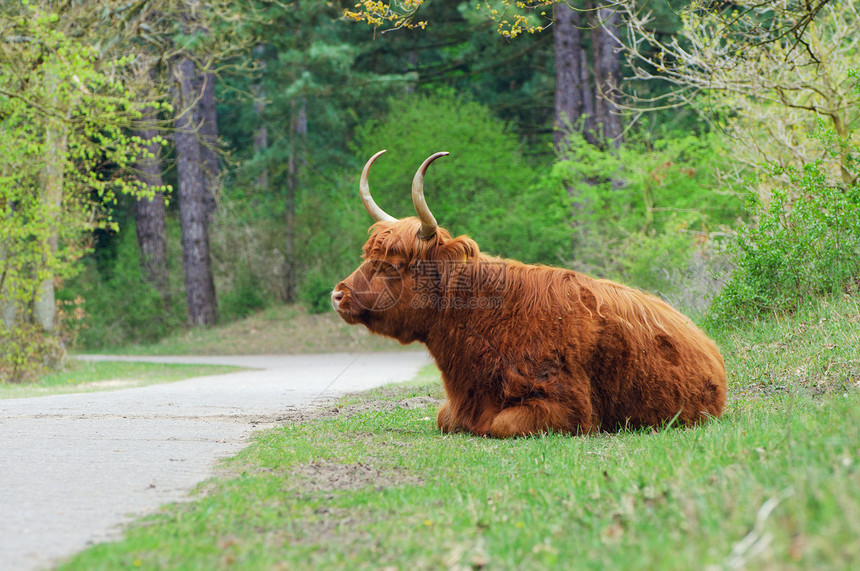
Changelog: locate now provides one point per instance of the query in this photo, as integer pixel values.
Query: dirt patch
(386, 406)
(348, 411)
(327, 477)
(420, 402)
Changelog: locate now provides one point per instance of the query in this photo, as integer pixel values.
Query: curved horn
(428, 222)
(376, 212)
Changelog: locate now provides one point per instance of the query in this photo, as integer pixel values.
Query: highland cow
(526, 349)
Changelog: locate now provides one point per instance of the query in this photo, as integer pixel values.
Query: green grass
(85, 376)
(772, 484)
(816, 349)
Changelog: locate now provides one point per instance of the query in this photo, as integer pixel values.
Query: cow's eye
(392, 270)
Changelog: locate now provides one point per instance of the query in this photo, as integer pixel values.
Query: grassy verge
(816, 350)
(81, 376)
(282, 330)
(773, 483)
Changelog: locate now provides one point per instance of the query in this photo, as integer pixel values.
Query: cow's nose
(336, 298)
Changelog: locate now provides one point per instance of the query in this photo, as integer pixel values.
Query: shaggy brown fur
(526, 349)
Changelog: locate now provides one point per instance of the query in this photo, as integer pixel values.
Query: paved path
(75, 467)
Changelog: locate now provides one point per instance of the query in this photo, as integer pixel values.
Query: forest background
(167, 164)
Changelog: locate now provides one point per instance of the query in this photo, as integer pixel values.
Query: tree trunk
(56, 142)
(290, 235)
(586, 84)
(412, 60)
(8, 304)
(569, 72)
(261, 133)
(193, 212)
(206, 119)
(8, 301)
(298, 133)
(149, 214)
(607, 74)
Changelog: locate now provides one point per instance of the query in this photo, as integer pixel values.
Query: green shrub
(244, 296)
(26, 352)
(799, 247)
(316, 291)
(645, 213)
(119, 307)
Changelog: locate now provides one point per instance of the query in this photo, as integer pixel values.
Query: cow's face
(371, 290)
(406, 283)
(388, 291)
